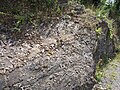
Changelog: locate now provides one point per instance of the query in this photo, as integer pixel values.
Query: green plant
(99, 73)
(99, 30)
(110, 26)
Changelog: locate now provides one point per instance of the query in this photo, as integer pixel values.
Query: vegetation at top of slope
(32, 10)
(22, 7)
(17, 13)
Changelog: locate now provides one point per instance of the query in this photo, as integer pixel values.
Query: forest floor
(110, 75)
(111, 79)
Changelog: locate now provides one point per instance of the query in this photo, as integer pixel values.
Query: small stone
(1, 54)
(66, 17)
(10, 57)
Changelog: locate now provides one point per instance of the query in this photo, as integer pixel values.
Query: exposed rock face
(60, 59)
(118, 29)
(62, 1)
(105, 48)
(64, 61)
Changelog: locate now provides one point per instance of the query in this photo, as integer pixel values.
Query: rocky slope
(56, 56)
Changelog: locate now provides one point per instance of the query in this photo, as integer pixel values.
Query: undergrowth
(103, 64)
(27, 11)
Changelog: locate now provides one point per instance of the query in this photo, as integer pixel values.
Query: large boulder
(62, 60)
(106, 45)
(56, 56)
